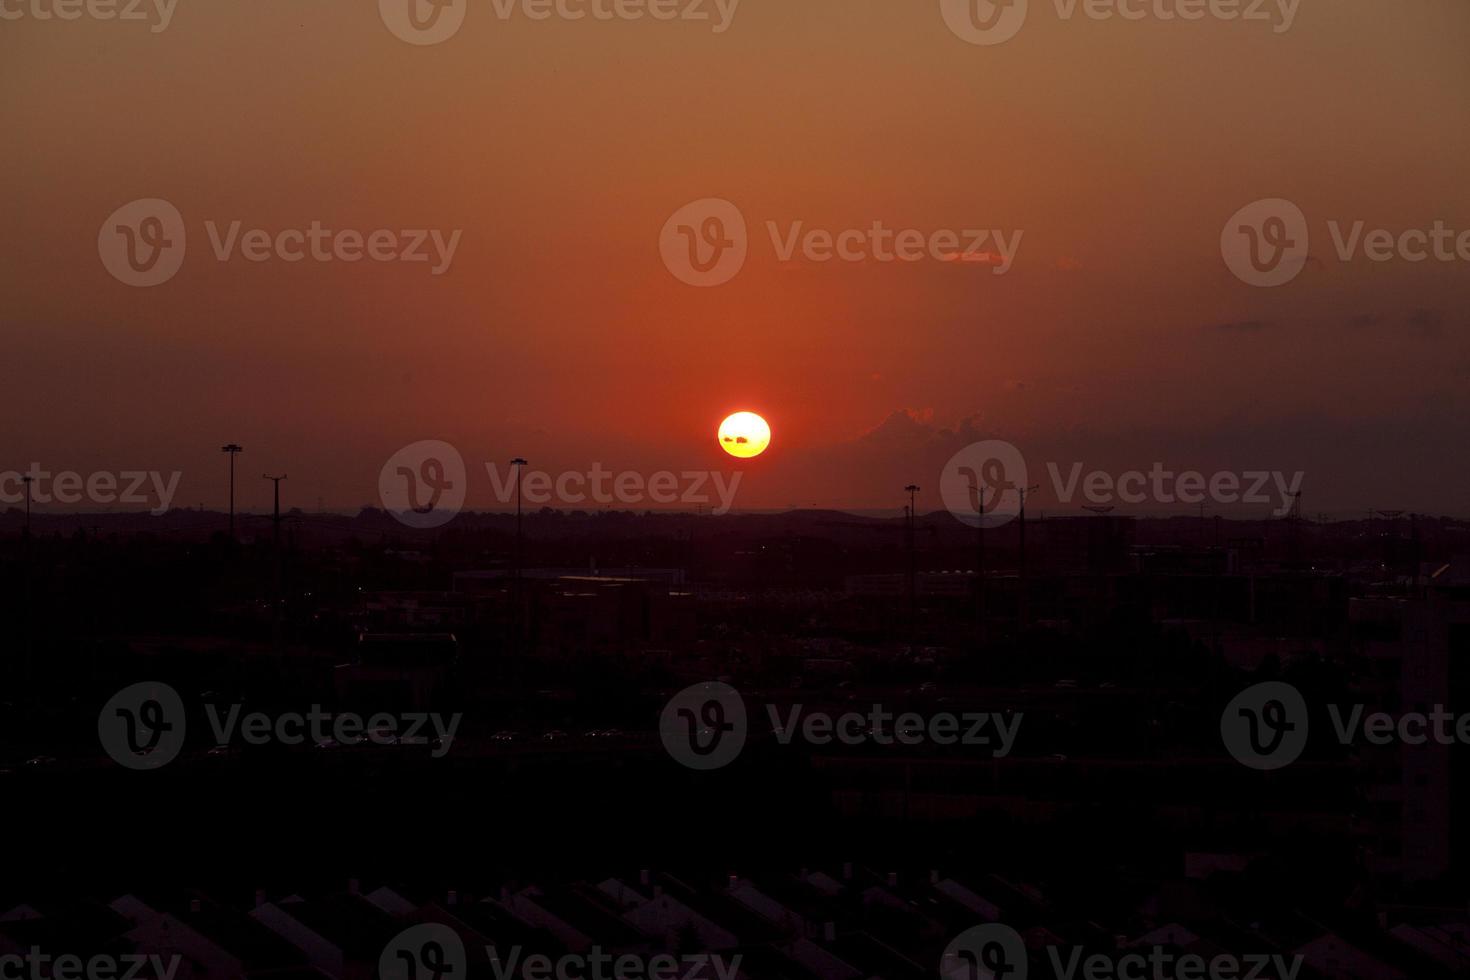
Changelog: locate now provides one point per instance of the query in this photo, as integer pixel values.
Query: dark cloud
(1430, 323)
(1242, 326)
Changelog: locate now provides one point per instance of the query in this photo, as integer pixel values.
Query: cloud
(975, 258)
(1427, 322)
(906, 426)
(1241, 326)
(915, 429)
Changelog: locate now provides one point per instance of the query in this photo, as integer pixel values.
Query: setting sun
(744, 435)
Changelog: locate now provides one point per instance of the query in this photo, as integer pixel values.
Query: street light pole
(276, 510)
(1024, 580)
(979, 561)
(276, 547)
(27, 605)
(27, 481)
(520, 465)
(913, 565)
(232, 449)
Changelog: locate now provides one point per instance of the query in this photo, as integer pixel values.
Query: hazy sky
(558, 149)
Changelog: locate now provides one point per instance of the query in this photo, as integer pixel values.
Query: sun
(744, 435)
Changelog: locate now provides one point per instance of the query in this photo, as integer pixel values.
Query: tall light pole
(979, 560)
(912, 490)
(520, 465)
(27, 481)
(232, 449)
(26, 559)
(1025, 586)
(276, 510)
(276, 547)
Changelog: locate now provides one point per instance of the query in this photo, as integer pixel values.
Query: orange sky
(560, 148)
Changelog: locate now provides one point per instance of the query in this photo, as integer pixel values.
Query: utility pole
(1416, 555)
(26, 561)
(233, 450)
(276, 510)
(1100, 551)
(1025, 594)
(1294, 528)
(979, 492)
(520, 465)
(276, 548)
(27, 481)
(913, 565)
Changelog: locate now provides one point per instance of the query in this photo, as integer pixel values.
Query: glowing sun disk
(744, 435)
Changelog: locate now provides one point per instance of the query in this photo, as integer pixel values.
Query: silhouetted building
(1417, 650)
(397, 670)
